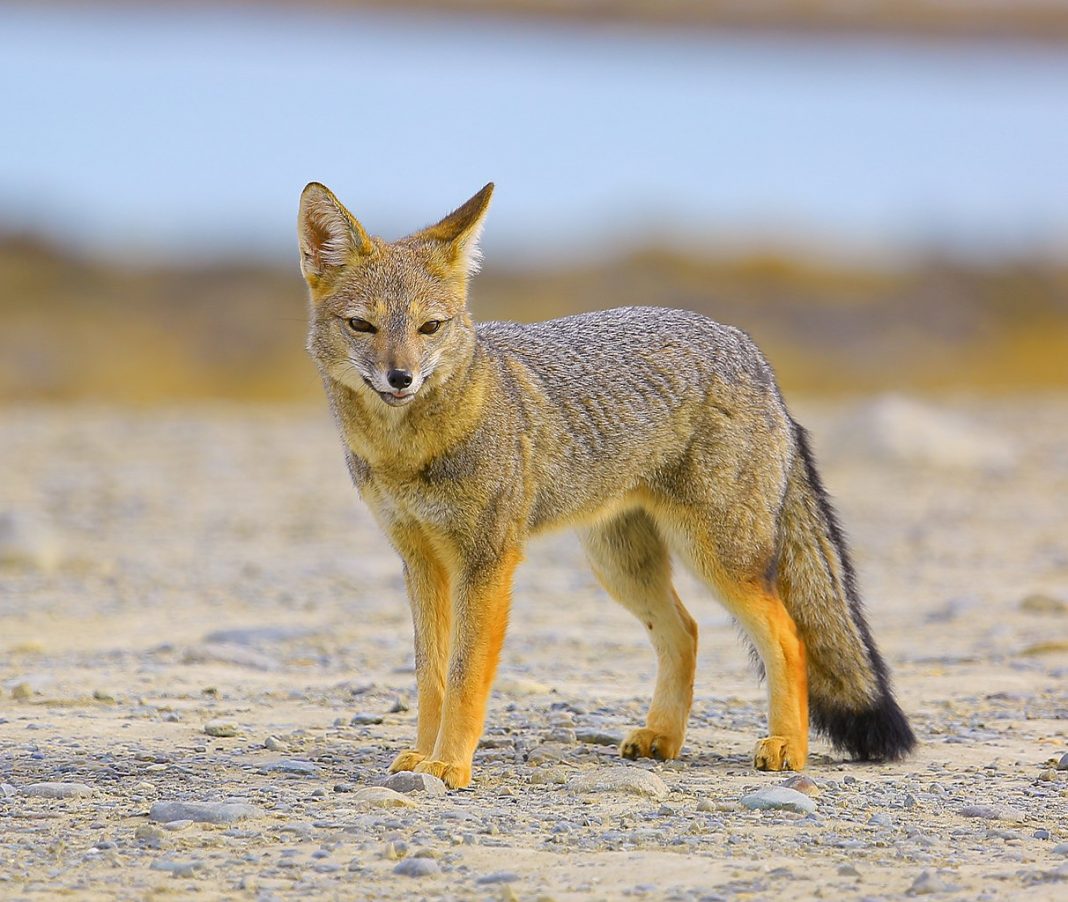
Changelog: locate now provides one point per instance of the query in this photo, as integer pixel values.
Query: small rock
(1041, 834)
(1061, 848)
(990, 813)
(384, 797)
(1040, 603)
(1048, 774)
(274, 744)
(20, 692)
(545, 754)
(365, 720)
(417, 867)
(630, 780)
(706, 805)
(149, 836)
(802, 783)
(7, 791)
(928, 883)
(597, 737)
(203, 812)
(409, 782)
(399, 706)
(220, 728)
(847, 870)
(548, 776)
(1062, 764)
(291, 766)
(103, 695)
(177, 868)
(778, 798)
(178, 826)
(56, 790)
(499, 877)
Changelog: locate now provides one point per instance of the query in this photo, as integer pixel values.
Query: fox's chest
(396, 495)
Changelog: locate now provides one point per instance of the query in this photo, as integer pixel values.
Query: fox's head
(387, 317)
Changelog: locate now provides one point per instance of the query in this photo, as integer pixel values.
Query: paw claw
(455, 776)
(647, 743)
(776, 753)
(409, 759)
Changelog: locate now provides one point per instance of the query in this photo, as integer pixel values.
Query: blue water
(147, 133)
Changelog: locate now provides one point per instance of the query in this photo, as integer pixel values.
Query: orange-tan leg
(428, 585)
(769, 625)
(631, 561)
(480, 619)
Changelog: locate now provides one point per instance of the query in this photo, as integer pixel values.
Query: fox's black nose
(399, 378)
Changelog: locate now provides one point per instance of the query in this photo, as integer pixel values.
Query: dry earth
(167, 569)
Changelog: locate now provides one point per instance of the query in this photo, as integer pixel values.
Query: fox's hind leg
(631, 561)
(742, 579)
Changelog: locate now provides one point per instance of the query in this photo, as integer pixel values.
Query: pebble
(990, 813)
(274, 744)
(409, 782)
(291, 766)
(20, 692)
(56, 790)
(7, 791)
(177, 868)
(149, 836)
(596, 737)
(364, 719)
(1041, 603)
(384, 797)
(417, 867)
(203, 812)
(928, 883)
(220, 728)
(628, 780)
(778, 798)
(802, 783)
(1062, 764)
(178, 826)
(548, 776)
(1061, 848)
(499, 877)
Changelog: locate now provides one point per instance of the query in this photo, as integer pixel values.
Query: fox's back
(618, 393)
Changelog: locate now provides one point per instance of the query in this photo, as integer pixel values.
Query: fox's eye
(361, 325)
(429, 328)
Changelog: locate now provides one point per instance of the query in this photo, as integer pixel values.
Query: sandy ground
(170, 569)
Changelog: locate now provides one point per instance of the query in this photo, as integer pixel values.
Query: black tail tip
(879, 733)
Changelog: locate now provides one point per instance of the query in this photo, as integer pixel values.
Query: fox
(650, 431)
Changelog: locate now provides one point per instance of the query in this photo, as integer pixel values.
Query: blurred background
(877, 191)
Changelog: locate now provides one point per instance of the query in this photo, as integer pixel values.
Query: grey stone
(274, 744)
(179, 825)
(291, 766)
(383, 797)
(177, 868)
(778, 798)
(548, 776)
(257, 635)
(417, 867)
(409, 782)
(499, 877)
(364, 719)
(802, 783)
(56, 790)
(203, 812)
(228, 653)
(1062, 763)
(220, 728)
(597, 737)
(7, 791)
(628, 780)
(928, 883)
(989, 812)
(1061, 848)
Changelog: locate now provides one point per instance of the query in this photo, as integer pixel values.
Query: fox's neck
(400, 438)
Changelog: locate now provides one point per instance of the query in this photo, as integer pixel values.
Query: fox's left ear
(454, 240)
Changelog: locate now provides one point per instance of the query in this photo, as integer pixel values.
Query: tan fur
(651, 431)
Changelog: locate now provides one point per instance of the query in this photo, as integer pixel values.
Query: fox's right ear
(329, 235)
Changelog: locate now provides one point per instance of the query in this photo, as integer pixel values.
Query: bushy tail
(850, 699)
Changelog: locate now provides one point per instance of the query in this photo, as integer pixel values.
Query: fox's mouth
(392, 398)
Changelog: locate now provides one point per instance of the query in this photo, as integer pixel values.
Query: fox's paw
(647, 743)
(406, 760)
(456, 776)
(777, 753)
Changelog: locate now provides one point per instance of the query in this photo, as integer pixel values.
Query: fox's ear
(455, 238)
(329, 235)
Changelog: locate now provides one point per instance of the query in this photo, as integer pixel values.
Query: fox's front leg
(480, 616)
(428, 585)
